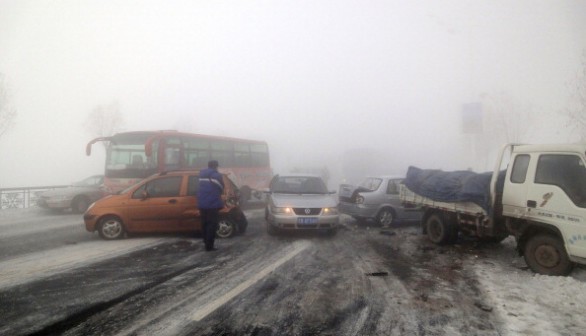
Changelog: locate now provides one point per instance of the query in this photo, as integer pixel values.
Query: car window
(371, 183)
(90, 181)
(299, 185)
(192, 185)
(169, 186)
(393, 187)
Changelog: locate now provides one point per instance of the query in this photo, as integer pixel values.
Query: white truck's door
(518, 177)
(559, 196)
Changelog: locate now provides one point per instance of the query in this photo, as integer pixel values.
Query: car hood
(304, 200)
(69, 191)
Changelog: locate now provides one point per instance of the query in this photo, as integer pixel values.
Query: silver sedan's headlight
(281, 211)
(330, 211)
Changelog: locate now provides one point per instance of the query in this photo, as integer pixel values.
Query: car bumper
(295, 222)
(90, 221)
(357, 210)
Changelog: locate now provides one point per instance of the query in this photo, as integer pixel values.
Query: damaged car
(376, 198)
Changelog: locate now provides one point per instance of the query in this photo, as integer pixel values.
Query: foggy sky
(312, 78)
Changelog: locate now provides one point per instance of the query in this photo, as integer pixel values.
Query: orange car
(164, 202)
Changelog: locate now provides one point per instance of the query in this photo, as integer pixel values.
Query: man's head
(213, 164)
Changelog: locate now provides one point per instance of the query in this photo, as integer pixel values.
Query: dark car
(77, 197)
(165, 202)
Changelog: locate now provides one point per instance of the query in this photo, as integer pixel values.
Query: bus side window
(171, 158)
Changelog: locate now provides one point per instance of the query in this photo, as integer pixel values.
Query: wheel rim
(547, 256)
(386, 218)
(111, 228)
(225, 229)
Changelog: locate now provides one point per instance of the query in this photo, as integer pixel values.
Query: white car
(77, 197)
(301, 202)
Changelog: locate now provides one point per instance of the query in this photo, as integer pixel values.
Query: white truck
(541, 201)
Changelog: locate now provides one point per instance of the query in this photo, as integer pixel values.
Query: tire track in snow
(38, 265)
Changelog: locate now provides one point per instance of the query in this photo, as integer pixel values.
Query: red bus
(132, 156)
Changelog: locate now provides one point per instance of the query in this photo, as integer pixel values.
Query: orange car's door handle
(173, 201)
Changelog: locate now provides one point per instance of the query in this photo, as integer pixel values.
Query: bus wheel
(111, 228)
(80, 204)
(546, 254)
(226, 228)
(439, 230)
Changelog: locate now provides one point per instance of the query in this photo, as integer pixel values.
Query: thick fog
(355, 86)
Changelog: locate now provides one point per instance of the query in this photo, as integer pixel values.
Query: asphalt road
(57, 279)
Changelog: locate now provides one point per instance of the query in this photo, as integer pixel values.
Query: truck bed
(409, 197)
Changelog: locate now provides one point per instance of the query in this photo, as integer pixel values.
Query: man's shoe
(211, 249)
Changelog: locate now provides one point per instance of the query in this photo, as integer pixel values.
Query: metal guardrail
(20, 198)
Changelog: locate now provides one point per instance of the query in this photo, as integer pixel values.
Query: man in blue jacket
(209, 198)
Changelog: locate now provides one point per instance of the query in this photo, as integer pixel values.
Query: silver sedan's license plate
(307, 220)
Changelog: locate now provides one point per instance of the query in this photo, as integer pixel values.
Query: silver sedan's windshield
(299, 185)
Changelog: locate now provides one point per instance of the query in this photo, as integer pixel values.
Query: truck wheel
(385, 217)
(439, 231)
(546, 254)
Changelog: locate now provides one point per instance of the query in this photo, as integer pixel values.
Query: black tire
(243, 226)
(226, 228)
(111, 227)
(80, 204)
(332, 232)
(271, 230)
(439, 230)
(546, 254)
(385, 217)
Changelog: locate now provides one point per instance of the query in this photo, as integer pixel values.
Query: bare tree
(576, 109)
(105, 120)
(7, 111)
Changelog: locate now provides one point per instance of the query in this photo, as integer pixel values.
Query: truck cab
(544, 204)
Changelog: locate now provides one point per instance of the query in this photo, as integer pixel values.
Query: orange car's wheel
(111, 228)
(226, 228)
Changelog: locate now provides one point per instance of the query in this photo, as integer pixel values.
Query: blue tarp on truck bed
(455, 186)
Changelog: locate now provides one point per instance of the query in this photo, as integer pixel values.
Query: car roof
(298, 175)
(387, 177)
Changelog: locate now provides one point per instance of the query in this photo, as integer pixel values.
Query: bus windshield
(132, 156)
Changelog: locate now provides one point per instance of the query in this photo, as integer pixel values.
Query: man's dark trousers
(209, 221)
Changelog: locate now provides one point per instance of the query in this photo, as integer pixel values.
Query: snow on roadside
(34, 266)
(529, 303)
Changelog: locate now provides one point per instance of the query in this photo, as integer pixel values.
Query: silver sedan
(301, 202)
